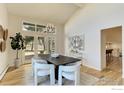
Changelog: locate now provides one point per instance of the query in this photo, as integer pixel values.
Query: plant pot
(17, 63)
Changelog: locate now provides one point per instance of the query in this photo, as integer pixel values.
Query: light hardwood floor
(110, 76)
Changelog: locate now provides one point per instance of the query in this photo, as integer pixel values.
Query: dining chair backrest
(43, 70)
(71, 67)
(37, 60)
(71, 72)
(38, 65)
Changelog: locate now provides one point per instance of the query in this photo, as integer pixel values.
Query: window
(49, 28)
(40, 28)
(28, 27)
(29, 43)
(41, 45)
(51, 44)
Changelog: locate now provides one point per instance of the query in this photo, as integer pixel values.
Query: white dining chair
(39, 60)
(70, 72)
(44, 70)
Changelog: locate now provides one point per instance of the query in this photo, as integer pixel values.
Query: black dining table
(60, 60)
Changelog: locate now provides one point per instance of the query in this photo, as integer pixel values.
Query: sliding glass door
(36, 45)
(51, 44)
(41, 47)
(29, 44)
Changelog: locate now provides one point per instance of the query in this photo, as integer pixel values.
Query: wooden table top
(61, 60)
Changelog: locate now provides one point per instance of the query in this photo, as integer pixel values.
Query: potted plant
(17, 43)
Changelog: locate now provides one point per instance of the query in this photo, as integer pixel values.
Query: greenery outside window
(29, 44)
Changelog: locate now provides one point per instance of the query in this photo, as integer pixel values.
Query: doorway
(111, 48)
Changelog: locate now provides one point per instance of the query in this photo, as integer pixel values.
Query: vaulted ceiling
(53, 12)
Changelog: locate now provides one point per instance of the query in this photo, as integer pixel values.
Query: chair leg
(60, 78)
(35, 78)
(33, 69)
(52, 76)
(77, 81)
(52, 79)
(77, 77)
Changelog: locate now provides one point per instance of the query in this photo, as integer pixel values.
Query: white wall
(15, 25)
(3, 56)
(90, 20)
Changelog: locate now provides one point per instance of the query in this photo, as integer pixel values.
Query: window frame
(36, 27)
(30, 25)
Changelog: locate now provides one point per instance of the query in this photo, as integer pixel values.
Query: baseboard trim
(3, 73)
(91, 67)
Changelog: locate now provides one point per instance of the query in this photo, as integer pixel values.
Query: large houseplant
(17, 43)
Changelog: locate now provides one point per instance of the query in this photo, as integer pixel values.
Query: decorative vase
(17, 63)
